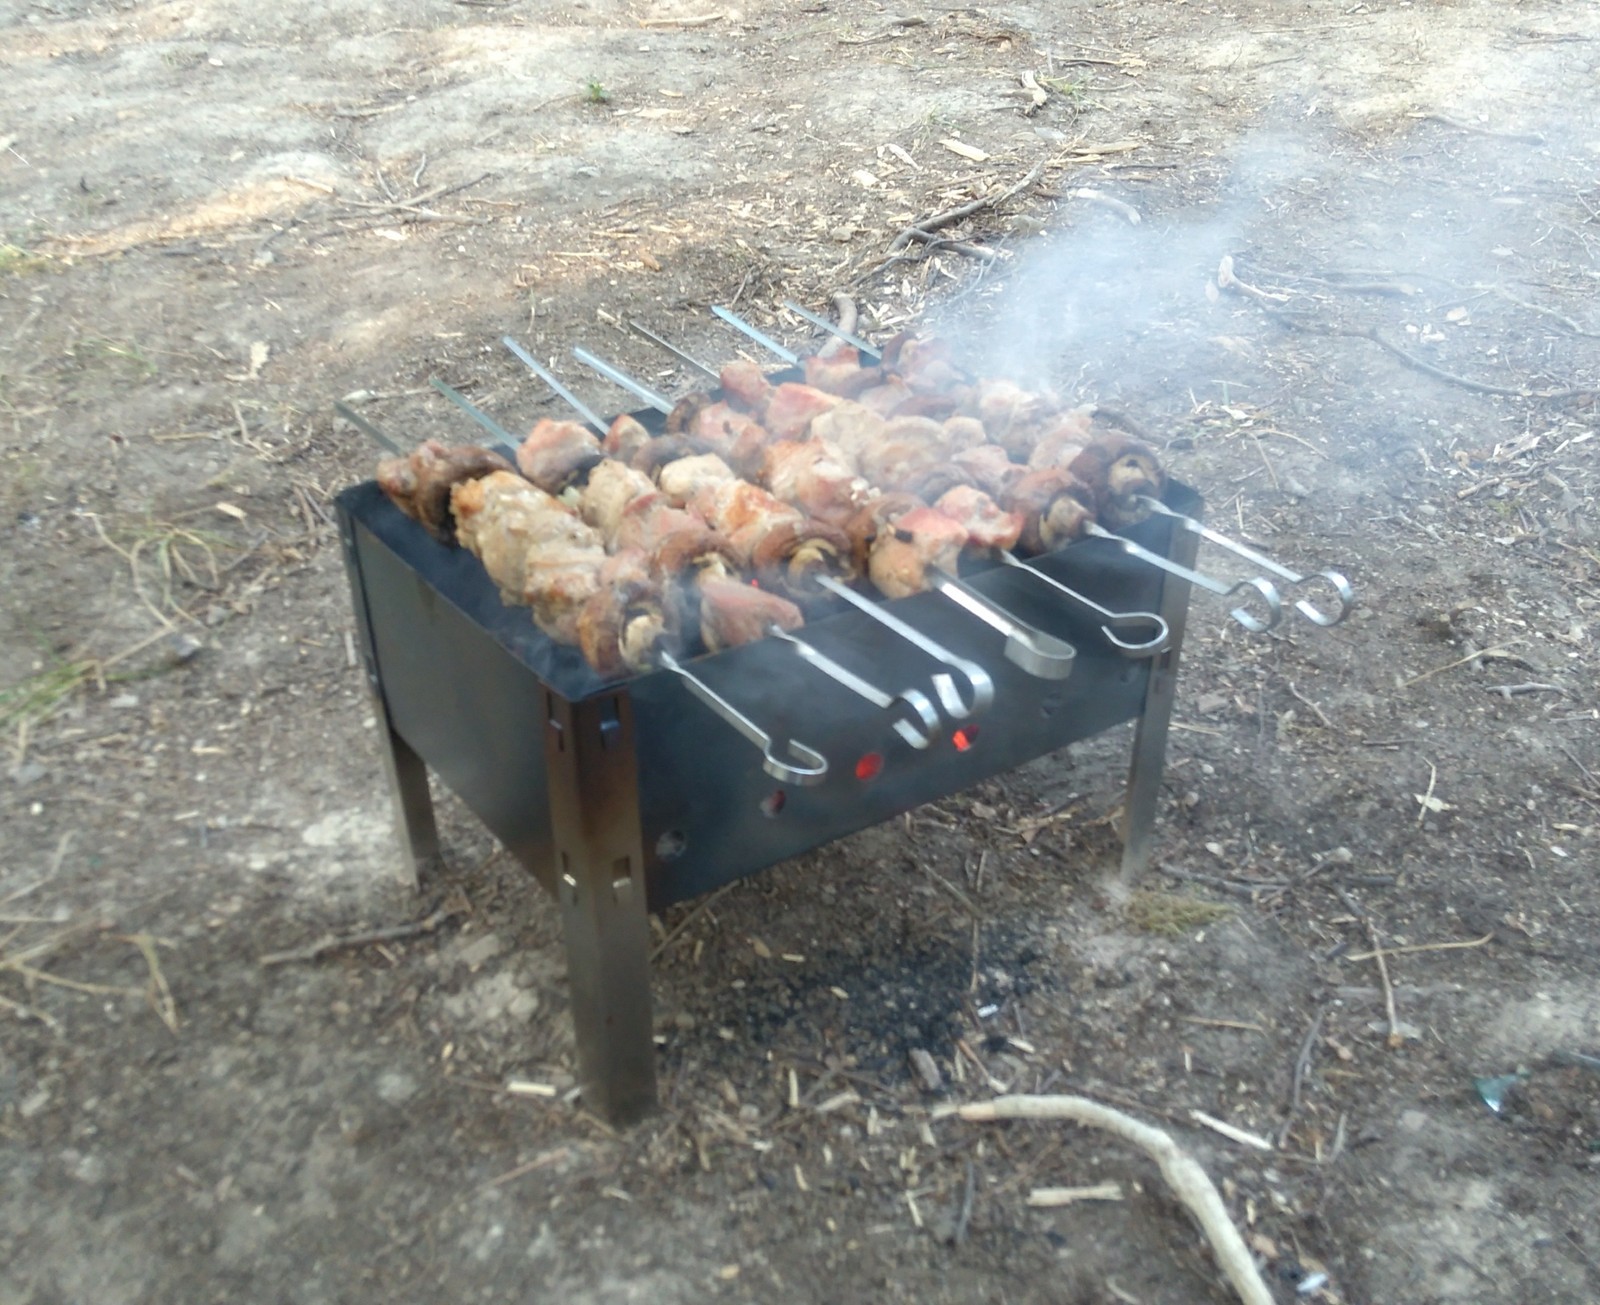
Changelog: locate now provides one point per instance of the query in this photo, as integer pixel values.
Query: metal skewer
(810, 767)
(838, 332)
(619, 377)
(1041, 655)
(550, 379)
(765, 341)
(367, 428)
(477, 414)
(688, 360)
(1160, 635)
(1243, 615)
(920, 727)
(1341, 587)
(979, 685)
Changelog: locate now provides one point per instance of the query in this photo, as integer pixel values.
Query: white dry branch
(1186, 1178)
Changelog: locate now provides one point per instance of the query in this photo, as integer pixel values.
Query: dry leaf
(231, 510)
(864, 178)
(260, 351)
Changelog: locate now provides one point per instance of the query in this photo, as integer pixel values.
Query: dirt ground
(213, 224)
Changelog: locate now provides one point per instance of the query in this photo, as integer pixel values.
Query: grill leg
(594, 812)
(408, 786)
(1150, 734)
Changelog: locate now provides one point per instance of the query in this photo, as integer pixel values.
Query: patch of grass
(595, 93)
(160, 553)
(40, 695)
(17, 261)
(1069, 88)
(1172, 914)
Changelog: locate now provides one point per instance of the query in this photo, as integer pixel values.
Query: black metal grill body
(631, 795)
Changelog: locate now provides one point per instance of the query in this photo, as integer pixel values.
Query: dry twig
(1186, 1178)
(337, 943)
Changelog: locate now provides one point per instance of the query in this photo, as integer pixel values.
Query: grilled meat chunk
(816, 477)
(626, 623)
(732, 613)
(988, 525)
(557, 455)
(903, 555)
(419, 483)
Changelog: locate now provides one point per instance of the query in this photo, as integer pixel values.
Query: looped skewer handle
(810, 767)
(1343, 593)
(919, 727)
(554, 382)
(979, 685)
(1111, 622)
(1243, 615)
(1041, 655)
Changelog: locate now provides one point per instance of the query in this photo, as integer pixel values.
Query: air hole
(869, 767)
(671, 845)
(773, 802)
(965, 737)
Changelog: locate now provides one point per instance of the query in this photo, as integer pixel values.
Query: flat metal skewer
(1160, 635)
(838, 332)
(554, 382)
(477, 414)
(1243, 615)
(688, 360)
(1341, 587)
(809, 766)
(920, 727)
(619, 377)
(367, 428)
(979, 684)
(1039, 654)
(765, 341)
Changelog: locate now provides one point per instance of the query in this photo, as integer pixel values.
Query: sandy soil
(215, 223)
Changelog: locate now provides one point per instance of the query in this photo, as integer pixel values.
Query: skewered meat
(611, 487)
(683, 479)
(925, 364)
(791, 406)
(877, 516)
(1055, 506)
(625, 438)
(419, 483)
(921, 540)
(557, 455)
(907, 448)
(841, 372)
(629, 620)
(732, 613)
(987, 524)
(779, 542)
(664, 449)
(1013, 417)
(678, 543)
(534, 547)
(851, 426)
(990, 468)
(746, 385)
(816, 477)
(1114, 465)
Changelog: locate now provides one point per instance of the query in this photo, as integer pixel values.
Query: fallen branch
(1186, 1178)
(337, 943)
(923, 228)
(695, 20)
(1509, 691)
(1527, 138)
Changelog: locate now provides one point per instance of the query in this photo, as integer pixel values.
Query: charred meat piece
(745, 385)
(876, 517)
(629, 620)
(625, 439)
(534, 547)
(936, 481)
(888, 398)
(1055, 506)
(723, 428)
(988, 525)
(920, 541)
(907, 448)
(683, 479)
(850, 426)
(1014, 417)
(557, 455)
(790, 408)
(990, 468)
(663, 450)
(419, 484)
(732, 613)
(612, 486)
(841, 372)
(815, 476)
(785, 548)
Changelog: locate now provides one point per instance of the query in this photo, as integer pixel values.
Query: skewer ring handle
(1342, 591)
(809, 766)
(1263, 588)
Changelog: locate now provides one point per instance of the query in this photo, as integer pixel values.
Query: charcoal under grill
(624, 797)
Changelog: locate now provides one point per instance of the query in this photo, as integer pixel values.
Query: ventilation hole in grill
(869, 767)
(965, 737)
(773, 802)
(671, 845)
